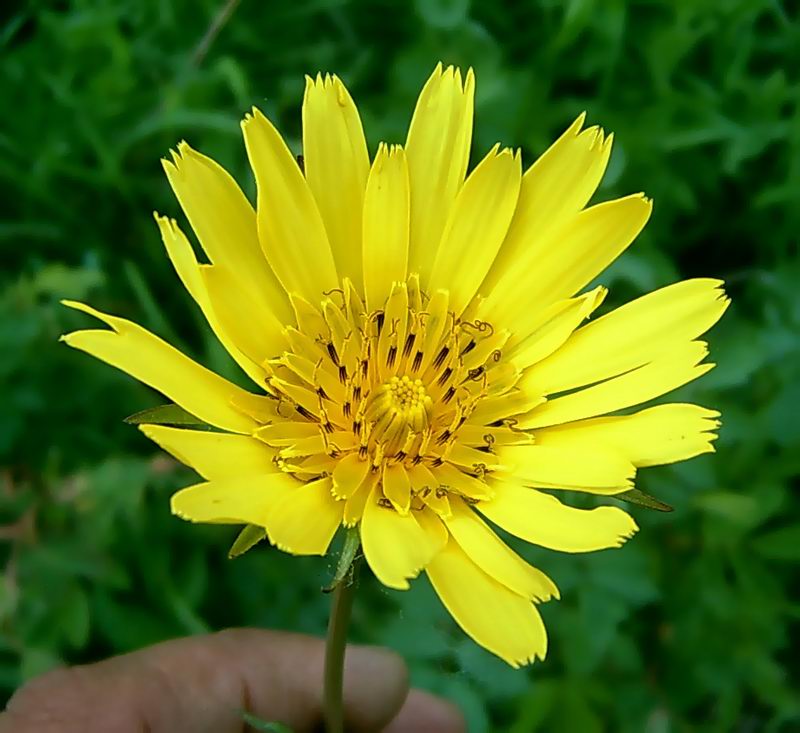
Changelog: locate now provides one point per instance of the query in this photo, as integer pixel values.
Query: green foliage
(691, 626)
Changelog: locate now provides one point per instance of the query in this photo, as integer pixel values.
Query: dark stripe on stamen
(409, 344)
(441, 356)
(437, 462)
(417, 363)
(305, 413)
(357, 392)
(469, 347)
(444, 376)
(346, 409)
(391, 356)
(379, 320)
(332, 353)
(447, 396)
(342, 374)
(321, 392)
(362, 451)
(444, 437)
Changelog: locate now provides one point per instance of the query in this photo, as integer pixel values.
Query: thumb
(202, 684)
(375, 687)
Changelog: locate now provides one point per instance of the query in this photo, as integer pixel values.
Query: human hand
(202, 684)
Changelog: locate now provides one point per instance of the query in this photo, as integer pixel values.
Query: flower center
(399, 407)
(400, 383)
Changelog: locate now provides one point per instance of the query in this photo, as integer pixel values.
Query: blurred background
(693, 626)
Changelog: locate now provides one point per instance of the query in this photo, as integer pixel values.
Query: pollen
(407, 395)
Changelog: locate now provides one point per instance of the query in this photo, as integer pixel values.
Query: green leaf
(443, 13)
(640, 498)
(265, 725)
(165, 415)
(248, 538)
(74, 616)
(780, 544)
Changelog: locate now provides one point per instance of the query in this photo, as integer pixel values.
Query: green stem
(341, 605)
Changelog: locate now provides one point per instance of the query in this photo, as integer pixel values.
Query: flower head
(418, 343)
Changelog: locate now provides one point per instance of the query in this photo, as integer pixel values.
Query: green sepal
(166, 415)
(248, 538)
(269, 726)
(347, 556)
(640, 498)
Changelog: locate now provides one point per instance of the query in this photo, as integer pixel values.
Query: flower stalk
(341, 606)
(342, 589)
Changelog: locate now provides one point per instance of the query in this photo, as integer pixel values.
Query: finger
(425, 713)
(202, 684)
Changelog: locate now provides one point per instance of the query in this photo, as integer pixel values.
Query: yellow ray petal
(239, 500)
(304, 520)
(492, 436)
(578, 467)
(350, 473)
(182, 256)
(386, 222)
(355, 503)
(452, 479)
(658, 435)
(336, 166)
(396, 547)
(214, 455)
(495, 558)
(661, 376)
(245, 318)
(146, 357)
(556, 187)
(632, 335)
(286, 432)
(471, 459)
(435, 529)
(539, 335)
(426, 485)
(476, 227)
(498, 619)
(515, 402)
(543, 520)
(290, 227)
(397, 487)
(224, 222)
(572, 255)
(437, 148)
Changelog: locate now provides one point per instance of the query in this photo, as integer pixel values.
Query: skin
(201, 684)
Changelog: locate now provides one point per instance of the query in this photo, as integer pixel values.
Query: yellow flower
(417, 344)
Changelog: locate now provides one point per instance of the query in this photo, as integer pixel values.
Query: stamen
(394, 386)
(332, 353)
